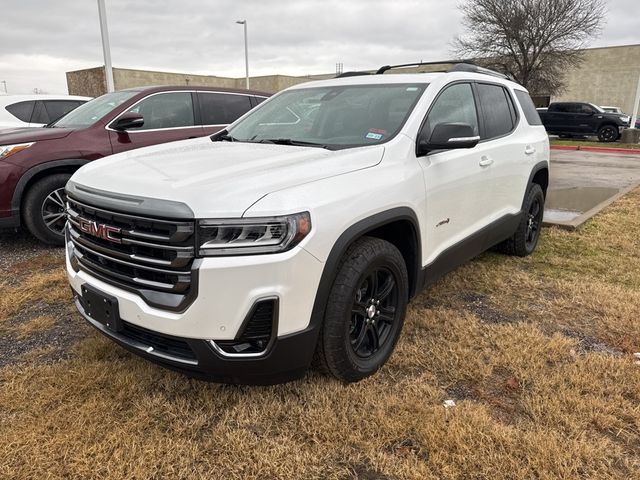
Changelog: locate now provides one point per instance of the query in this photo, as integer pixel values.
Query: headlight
(8, 150)
(625, 119)
(250, 236)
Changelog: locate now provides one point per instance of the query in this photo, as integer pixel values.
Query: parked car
(618, 111)
(17, 111)
(307, 225)
(35, 164)
(582, 119)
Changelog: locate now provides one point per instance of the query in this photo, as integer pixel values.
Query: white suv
(307, 225)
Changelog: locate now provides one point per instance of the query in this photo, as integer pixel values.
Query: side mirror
(127, 121)
(448, 136)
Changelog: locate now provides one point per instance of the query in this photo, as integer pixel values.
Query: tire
(358, 335)
(43, 209)
(608, 133)
(525, 239)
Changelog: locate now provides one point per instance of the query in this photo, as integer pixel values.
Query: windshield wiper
(290, 141)
(223, 136)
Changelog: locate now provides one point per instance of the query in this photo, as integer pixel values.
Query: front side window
(333, 117)
(165, 110)
(497, 112)
(222, 108)
(455, 104)
(92, 111)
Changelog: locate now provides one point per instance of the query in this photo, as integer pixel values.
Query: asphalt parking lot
(583, 183)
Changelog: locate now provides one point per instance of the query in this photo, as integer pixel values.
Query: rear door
(219, 109)
(168, 116)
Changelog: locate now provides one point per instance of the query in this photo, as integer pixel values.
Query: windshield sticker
(412, 89)
(374, 136)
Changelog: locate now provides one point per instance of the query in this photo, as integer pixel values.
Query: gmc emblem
(99, 230)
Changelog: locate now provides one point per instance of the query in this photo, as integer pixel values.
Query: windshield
(89, 113)
(597, 108)
(331, 117)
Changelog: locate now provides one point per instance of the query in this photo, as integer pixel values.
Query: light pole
(634, 115)
(106, 48)
(246, 51)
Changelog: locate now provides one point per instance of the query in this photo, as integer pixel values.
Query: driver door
(459, 181)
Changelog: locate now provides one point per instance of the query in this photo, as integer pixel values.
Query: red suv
(35, 163)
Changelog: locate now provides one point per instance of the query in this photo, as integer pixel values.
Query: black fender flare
(345, 240)
(536, 168)
(16, 200)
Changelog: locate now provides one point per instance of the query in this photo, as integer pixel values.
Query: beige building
(608, 76)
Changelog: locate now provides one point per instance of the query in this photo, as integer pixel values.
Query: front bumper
(228, 288)
(288, 358)
(12, 221)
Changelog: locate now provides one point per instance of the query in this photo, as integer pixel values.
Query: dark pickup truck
(582, 119)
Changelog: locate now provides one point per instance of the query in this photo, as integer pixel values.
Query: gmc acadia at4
(306, 226)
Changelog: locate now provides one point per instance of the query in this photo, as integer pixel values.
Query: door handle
(485, 161)
(529, 150)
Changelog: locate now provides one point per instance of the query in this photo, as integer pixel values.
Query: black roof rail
(472, 67)
(351, 74)
(381, 70)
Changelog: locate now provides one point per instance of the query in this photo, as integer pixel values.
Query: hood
(31, 134)
(217, 179)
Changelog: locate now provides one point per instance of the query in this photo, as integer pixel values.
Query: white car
(17, 111)
(293, 233)
(617, 110)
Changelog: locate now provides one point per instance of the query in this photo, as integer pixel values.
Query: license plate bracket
(101, 307)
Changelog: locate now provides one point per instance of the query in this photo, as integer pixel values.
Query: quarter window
(498, 114)
(166, 110)
(21, 110)
(454, 105)
(59, 108)
(222, 108)
(528, 107)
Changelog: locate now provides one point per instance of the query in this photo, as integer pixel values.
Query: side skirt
(470, 247)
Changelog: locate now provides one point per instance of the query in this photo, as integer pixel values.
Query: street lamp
(106, 49)
(246, 51)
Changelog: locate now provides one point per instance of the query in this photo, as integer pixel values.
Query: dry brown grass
(536, 353)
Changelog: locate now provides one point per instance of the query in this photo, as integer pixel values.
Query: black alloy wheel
(534, 223)
(608, 134)
(365, 310)
(373, 312)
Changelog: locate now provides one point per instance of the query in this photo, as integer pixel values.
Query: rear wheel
(43, 210)
(365, 311)
(525, 239)
(608, 133)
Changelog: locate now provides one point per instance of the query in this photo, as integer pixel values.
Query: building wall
(89, 83)
(608, 76)
(127, 78)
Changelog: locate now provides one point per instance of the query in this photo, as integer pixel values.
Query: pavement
(583, 183)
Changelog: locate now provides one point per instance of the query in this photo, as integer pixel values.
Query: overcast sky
(40, 40)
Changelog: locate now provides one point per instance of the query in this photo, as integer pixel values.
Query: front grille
(171, 346)
(151, 256)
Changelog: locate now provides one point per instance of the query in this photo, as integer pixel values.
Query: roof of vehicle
(170, 88)
(9, 99)
(388, 79)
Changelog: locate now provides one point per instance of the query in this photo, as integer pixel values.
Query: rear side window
(258, 100)
(21, 110)
(222, 108)
(166, 110)
(529, 109)
(496, 109)
(39, 113)
(59, 108)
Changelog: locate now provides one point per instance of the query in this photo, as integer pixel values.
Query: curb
(630, 151)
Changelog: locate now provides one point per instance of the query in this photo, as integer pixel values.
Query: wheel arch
(399, 226)
(38, 172)
(540, 175)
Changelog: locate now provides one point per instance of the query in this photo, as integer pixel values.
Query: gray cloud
(40, 40)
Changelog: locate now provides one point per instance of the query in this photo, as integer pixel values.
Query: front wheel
(365, 310)
(608, 133)
(43, 210)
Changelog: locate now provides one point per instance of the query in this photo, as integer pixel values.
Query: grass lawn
(586, 143)
(537, 354)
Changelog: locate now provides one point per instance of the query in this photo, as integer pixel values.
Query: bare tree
(534, 40)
